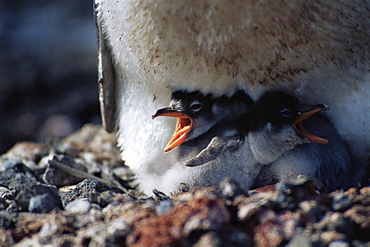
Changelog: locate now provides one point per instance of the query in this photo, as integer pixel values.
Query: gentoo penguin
(197, 113)
(200, 120)
(290, 141)
(318, 50)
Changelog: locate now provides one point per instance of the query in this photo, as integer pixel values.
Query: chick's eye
(286, 112)
(196, 106)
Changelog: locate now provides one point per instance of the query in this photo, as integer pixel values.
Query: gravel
(45, 202)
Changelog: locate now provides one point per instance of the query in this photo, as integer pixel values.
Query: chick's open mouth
(183, 127)
(299, 126)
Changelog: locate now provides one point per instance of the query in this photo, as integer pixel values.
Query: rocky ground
(76, 191)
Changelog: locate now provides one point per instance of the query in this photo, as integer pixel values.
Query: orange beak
(183, 126)
(299, 127)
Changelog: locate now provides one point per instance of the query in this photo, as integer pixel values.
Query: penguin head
(277, 111)
(197, 113)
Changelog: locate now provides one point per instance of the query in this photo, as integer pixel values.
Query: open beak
(308, 113)
(183, 126)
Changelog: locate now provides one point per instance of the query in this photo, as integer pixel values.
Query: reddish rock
(203, 211)
(274, 228)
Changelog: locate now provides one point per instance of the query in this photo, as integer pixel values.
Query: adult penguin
(317, 50)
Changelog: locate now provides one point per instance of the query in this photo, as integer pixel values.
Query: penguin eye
(196, 106)
(286, 113)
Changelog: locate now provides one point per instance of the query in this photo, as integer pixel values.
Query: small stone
(241, 239)
(339, 243)
(8, 163)
(48, 232)
(245, 211)
(351, 191)
(78, 206)
(110, 234)
(300, 189)
(102, 199)
(16, 180)
(365, 190)
(56, 176)
(341, 202)
(29, 152)
(87, 186)
(311, 210)
(43, 203)
(342, 224)
(96, 206)
(6, 238)
(3, 204)
(6, 220)
(163, 206)
(209, 239)
(23, 198)
(358, 243)
(360, 215)
(300, 240)
(330, 236)
(194, 224)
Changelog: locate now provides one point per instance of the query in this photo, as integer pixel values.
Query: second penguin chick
(201, 119)
(280, 142)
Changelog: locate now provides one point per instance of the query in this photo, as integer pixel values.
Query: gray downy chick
(281, 141)
(202, 119)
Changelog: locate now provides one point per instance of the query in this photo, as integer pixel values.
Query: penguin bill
(306, 114)
(183, 127)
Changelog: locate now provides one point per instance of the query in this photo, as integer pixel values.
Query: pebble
(239, 238)
(209, 239)
(78, 206)
(44, 198)
(47, 231)
(163, 206)
(339, 243)
(299, 240)
(17, 178)
(44, 203)
(342, 224)
(56, 176)
(342, 201)
(3, 204)
(111, 234)
(6, 219)
(29, 153)
(7, 163)
(87, 186)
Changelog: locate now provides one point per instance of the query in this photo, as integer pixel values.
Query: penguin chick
(201, 119)
(197, 113)
(279, 140)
